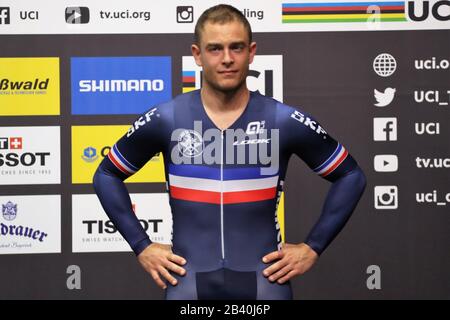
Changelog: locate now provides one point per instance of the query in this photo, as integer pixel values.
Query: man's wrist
(141, 245)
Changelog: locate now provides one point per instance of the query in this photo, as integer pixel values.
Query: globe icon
(384, 65)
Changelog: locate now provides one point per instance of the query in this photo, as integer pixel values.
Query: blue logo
(90, 154)
(9, 211)
(119, 85)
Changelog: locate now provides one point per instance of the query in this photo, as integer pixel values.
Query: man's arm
(330, 160)
(340, 202)
(145, 138)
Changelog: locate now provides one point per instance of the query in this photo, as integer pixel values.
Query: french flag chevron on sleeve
(338, 156)
(120, 162)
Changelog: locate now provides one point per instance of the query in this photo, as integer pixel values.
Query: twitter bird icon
(384, 98)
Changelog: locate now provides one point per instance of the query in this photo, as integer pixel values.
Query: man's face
(224, 54)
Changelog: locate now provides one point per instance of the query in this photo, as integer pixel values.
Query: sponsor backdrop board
(75, 76)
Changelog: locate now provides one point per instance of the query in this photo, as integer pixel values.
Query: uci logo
(420, 10)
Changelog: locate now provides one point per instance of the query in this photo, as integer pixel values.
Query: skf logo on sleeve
(313, 125)
(142, 121)
(29, 86)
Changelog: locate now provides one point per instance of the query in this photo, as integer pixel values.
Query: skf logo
(420, 10)
(14, 143)
(142, 121)
(313, 125)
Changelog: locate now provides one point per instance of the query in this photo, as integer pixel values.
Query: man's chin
(228, 87)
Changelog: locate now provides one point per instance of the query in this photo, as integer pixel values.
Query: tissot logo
(10, 143)
(77, 15)
(94, 232)
(107, 226)
(29, 155)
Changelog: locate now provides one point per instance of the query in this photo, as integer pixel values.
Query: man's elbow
(96, 178)
(360, 179)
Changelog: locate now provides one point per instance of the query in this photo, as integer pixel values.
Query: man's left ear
(196, 54)
(252, 50)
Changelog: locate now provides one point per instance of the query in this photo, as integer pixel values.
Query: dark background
(328, 74)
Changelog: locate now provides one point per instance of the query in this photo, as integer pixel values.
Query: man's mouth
(228, 72)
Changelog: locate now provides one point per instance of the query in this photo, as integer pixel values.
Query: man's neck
(218, 101)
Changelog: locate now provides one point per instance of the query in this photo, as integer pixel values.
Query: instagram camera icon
(185, 14)
(386, 197)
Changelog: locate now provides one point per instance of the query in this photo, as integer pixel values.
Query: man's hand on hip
(158, 259)
(293, 260)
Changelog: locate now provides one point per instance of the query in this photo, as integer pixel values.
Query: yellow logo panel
(90, 144)
(29, 86)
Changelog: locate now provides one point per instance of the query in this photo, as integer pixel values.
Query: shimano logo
(137, 85)
(313, 125)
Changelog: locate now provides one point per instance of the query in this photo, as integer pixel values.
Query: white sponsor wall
(30, 224)
(94, 232)
(171, 16)
(29, 155)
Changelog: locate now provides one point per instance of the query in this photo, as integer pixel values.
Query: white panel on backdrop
(92, 230)
(265, 75)
(29, 155)
(30, 224)
(172, 16)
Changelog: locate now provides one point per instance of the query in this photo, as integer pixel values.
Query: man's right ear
(196, 53)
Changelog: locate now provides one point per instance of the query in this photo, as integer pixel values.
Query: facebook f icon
(385, 129)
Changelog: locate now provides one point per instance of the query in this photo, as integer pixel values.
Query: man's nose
(227, 57)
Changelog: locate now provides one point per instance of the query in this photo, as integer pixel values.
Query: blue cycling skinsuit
(224, 187)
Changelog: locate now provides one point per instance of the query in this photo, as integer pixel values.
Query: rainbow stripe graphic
(342, 12)
(188, 81)
(204, 184)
